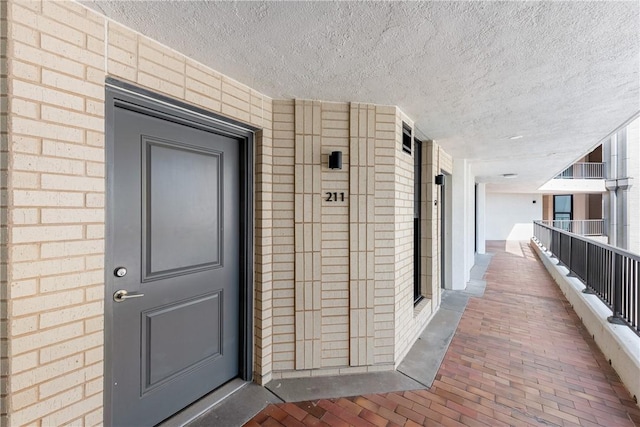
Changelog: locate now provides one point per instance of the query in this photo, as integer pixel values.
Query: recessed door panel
(175, 227)
(182, 207)
(170, 346)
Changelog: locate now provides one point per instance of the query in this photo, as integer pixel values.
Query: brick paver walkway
(520, 356)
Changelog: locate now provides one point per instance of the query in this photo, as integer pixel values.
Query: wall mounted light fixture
(440, 179)
(335, 160)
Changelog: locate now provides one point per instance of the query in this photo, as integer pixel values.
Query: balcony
(607, 271)
(584, 227)
(582, 177)
(584, 170)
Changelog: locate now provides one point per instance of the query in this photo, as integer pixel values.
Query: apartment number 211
(334, 197)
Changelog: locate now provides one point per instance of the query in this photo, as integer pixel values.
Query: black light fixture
(440, 179)
(335, 160)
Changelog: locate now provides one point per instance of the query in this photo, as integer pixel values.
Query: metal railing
(583, 227)
(583, 170)
(609, 272)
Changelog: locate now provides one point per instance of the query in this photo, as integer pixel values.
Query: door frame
(418, 291)
(446, 231)
(121, 93)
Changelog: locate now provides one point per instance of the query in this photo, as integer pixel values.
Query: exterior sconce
(335, 160)
(440, 179)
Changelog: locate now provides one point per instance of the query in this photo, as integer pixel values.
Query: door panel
(168, 330)
(179, 238)
(175, 228)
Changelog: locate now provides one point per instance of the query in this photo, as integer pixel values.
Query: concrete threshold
(234, 410)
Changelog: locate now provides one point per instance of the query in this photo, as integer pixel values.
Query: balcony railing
(609, 272)
(583, 171)
(583, 227)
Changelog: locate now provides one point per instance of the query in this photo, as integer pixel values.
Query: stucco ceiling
(472, 75)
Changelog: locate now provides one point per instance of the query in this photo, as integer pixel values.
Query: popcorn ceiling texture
(471, 74)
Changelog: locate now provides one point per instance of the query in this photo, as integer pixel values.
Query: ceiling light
(509, 175)
(513, 138)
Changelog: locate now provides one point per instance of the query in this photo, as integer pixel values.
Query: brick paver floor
(520, 356)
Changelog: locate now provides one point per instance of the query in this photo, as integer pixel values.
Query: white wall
(510, 216)
(633, 196)
(463, 233)
(481, 212)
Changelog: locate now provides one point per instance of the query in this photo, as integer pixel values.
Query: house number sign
(334, 197)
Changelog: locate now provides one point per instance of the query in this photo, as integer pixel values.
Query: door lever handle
(122, 295)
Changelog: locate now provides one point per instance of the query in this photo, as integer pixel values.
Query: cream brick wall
(53, 229)
(308, 236)
(283, 236)
(335, 237)
(311, 289)
(384, 235)
(263, 285)
(343, 271)
(56, 187)
(333, 280)
(362, 245)
(4, 159)
(411, 318)
(404, 195)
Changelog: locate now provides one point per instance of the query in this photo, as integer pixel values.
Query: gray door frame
(446, 231)
(121, 93)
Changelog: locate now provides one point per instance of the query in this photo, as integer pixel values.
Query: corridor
(520, 356)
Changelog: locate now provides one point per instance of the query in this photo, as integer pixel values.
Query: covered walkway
(520, 356)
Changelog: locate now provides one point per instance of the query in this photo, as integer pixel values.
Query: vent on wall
(406, 138)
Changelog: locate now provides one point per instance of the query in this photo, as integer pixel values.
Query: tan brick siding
(307, 235)
(283, 236)
(384, 235)
(335, 237)
(55, 280)
(412, 318)
(56, 197)
(362, 243)
(365, 301)
(4, 161)
(310, 285)
(404, 195)
(263, 281)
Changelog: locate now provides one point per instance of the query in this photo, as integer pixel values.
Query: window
(563, 211)
(406, 138)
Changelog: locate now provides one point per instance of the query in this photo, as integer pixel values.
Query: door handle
(122, 295)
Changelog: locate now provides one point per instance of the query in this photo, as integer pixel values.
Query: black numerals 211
(334, 197)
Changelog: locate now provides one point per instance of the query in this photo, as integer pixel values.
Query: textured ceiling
(472, 74)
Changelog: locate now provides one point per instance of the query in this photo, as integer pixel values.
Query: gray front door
(175, 228)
